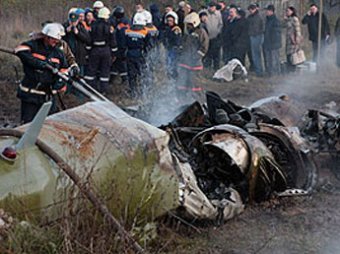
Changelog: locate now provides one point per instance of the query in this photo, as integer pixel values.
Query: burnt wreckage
(239, 155)
(206, 164)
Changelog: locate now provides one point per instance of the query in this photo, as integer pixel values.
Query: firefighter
(137, 42)
(172, 42)
(97, 6)
(195, 44)
(121, 23)
(103, 48)
(70, 58)
(152, 30)
(41, 59)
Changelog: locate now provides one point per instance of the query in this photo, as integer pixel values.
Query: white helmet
(173, 15)
(139, 19)
(147, 16)
(52, 30)
(61, 27)
(98, 4)
(104, 13)
(72, 10)
(193, 19)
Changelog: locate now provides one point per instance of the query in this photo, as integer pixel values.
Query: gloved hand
(49, 67)
(74, 71)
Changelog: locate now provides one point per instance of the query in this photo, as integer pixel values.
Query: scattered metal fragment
(207, 163)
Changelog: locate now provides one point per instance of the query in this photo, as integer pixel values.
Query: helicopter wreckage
(207, 164)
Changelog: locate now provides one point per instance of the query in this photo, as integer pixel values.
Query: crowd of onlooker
(100, 44)
(232, 32)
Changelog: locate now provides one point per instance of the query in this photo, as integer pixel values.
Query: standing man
(235, 37)
(137, 43)
(195, 45)
(172, 43)
(272, 42)
(103, 50)
(311, 19)
(224, 11)
(181, 13)
(119, 67)
(256, 31)
(97, 5)
(40, 83)
(203, 18)
(77, 37)
(139, 8)
(214, 26)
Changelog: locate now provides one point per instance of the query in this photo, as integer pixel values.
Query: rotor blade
(32, 133)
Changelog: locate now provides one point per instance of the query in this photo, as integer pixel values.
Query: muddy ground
(288, 225)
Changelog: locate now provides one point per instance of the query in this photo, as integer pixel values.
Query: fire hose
(84, 188)
(78, 83)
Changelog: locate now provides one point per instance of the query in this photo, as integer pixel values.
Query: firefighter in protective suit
(41, 59)
(120, 23)
(103, 50)
(151, 28)
(195, 45)
(137, 42)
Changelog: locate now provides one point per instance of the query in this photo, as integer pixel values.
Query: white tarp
(226, 72)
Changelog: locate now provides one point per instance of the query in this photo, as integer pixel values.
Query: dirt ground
(288, 225)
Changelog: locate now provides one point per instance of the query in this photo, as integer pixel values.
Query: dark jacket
(256, 24)
(172, 38)
(195, 46)
(78, 42)
(120, 27)
(272, 33)
(312, 22)
(102, 35)
(235, 35)
(34, 55)
(137, 41)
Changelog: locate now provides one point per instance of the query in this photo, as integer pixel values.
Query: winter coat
(272, 33)
(235, 35)
(78, 42)
(312, 22)
(195, 46)
(256, 24)
(121, 26)
(102, 35)
(172, 38)
(214, 24)
(293, 35)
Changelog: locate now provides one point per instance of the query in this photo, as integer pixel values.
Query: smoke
(311, 85)
(161, 99)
